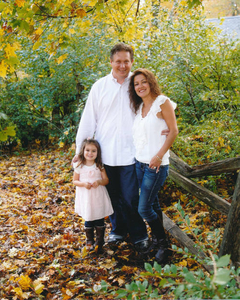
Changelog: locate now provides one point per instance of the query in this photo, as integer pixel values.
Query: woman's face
(141, 86)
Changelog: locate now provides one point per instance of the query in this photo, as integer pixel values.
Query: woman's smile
(142, 86)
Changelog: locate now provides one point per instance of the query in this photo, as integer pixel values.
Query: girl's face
(90, 153)
(141, 86)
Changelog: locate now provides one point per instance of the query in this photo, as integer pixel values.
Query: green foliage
(6, 131)
(48, 95)
(220, 282)
(199, 70)
(180, 281)
(184, 283)
(195, 67)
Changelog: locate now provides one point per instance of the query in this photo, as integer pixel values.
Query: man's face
(121, 64)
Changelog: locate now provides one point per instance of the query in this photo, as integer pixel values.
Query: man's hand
(165, 132)
(75, 159)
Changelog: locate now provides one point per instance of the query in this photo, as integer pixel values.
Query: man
(109, 117)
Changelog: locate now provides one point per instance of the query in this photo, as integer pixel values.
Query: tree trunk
(231, 238)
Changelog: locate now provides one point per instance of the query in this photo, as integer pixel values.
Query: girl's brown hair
(98, 159)
(155, 90)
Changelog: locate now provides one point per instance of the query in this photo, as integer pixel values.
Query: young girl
(92, 201)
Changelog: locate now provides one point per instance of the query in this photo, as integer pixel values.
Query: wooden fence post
(231, 238)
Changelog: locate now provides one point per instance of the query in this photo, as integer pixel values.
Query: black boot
(159, 241)
(154, 238)
(159, 212)
(163, 251)
(90, 237)
(100, 230)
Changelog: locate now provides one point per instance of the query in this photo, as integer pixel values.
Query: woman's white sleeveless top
(147, 132)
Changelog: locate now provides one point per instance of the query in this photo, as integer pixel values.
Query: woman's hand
(155, 163)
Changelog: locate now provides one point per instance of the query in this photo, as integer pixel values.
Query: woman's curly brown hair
(135, 100)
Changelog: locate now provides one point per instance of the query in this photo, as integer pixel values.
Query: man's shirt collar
(115, 79)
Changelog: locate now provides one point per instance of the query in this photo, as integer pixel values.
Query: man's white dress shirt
(108, 116)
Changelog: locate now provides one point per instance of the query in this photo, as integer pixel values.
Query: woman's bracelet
(158, 158)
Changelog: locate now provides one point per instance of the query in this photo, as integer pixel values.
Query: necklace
(146, 109)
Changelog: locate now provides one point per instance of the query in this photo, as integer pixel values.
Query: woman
(154, 113)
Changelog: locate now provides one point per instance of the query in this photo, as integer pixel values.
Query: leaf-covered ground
(42, 254)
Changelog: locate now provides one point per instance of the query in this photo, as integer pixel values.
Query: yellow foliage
(184, 3)
(37, 45)
(20, 293)
(50, 37)
(84, 252)
(7, 10)
(39, 31)
(65, 24)
(92, 3)
(183, 263)
(221, 141)
(3, 69)
(71, 31)
(20, 3)
(38, 286)
(10, 50)
(62, 58)
(81, 13)
(130, 34)
(83, 26)
(65, 2)
(24, 282)
(178, 47)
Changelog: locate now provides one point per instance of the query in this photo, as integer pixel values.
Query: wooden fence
(180, 172)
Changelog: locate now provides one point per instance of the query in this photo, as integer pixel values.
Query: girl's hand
(155, 163)
(95, 184)
(88, 185)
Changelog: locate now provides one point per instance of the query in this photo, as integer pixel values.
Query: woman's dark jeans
(150, 182)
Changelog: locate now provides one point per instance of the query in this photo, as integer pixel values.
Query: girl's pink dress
(95, 203)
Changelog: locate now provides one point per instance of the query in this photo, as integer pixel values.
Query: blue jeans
(150, 183)
(124, 193)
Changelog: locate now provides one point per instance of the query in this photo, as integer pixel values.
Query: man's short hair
(122, 47)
